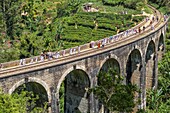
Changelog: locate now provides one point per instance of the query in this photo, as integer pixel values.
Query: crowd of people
(130, 32)
(50, 55)
(93, 44)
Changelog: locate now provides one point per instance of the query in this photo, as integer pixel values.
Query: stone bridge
(136, 57)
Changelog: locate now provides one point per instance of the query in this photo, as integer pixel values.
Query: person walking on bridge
(150, 22)
(153, 18)
(157, 18)
(41, 57)
(71, 51)
(152, 27)
(74, 50)
(103, 43)
(64, 51)
(139, 29)
(78, 49)
(21, 62)
(144, 28)
(57, 54)
(98, 44)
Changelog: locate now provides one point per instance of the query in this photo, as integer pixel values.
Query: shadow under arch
(37, 87)
(111, 63)
(107, 65)
(134, 74)
(32, 79)
(161, 47)
(73, 92)
(106, 60)
(150, 57)
(133, 68)
(67, 72)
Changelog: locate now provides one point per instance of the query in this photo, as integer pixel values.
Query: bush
(138, 18)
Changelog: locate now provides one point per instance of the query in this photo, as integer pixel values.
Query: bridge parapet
(85, 47)
(36, 59)
(129, 53)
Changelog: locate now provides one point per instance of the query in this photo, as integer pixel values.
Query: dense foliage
(162, 5)
(132, 4)
(95, 26)
(62, 97)
(19, 103)
(28, 27)
(28, 33)
(113, 94)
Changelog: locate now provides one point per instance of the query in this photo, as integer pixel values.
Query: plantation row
(84, 27)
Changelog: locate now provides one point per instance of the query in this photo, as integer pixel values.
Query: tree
(134, 4)
(30, 44)
(162, 3)
(59, 31)
(17, 103)
(10, 10)
(113, 94)
(154, 99)
(68, 8)
(8, 53)
(61, 96)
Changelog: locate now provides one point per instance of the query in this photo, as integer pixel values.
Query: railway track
(88, 52)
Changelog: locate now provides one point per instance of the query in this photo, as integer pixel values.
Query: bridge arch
(112, 57)
(136, 47)
(37, 87)
(74, 85)
(80, 67)
(150, 57)
(134, 66)
(134, 73)
(32, 79)
(112, 62)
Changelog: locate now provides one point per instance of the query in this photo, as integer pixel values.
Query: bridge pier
(156, 71)
(93, 102)
(54, 101)
(143, 85)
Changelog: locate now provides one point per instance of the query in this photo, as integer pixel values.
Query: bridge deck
(86, 51)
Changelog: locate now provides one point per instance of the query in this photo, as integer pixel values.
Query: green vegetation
(113, 94)
(61, 97)
(162, 5)
(23, 36)
(29, 27)
(95, 26)
(132, 4)
(19, 103)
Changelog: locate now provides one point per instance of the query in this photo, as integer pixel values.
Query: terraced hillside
(84, 27)
(35, 26)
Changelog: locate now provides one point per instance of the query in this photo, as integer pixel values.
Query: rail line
(88, 52)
